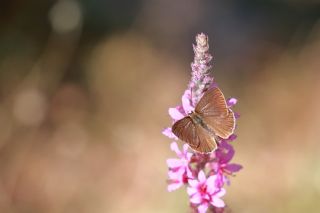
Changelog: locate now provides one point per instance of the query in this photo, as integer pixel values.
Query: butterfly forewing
(212, 103)
(212, 108)
(185, 130)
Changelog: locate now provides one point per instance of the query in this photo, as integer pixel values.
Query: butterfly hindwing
(212, 103)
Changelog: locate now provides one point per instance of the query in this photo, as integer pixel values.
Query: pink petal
(225, 152)
(208, 79)
(206, 196)
(225, 145)
(189, 155)
(189, 173)
(232, 137)
(226, 180)
(185, 148)
(214, 166)
(191, 191)
(175, 114)
(231, 102)
(168, 132)
(174, 186)
(202, 177)
(220, 180)
(196, 198)
(228, 157)
(176, 175)
(174, 147)
(203, 208)
(211, 184)
(217, 202)
(186, 102)
(213, 84)
(193, 183)
(233, 167)
(174, 163)
(221, 193)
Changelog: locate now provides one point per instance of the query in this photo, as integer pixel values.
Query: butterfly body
(210, 119)
(197, 120)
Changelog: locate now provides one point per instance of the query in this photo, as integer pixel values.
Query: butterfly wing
(222, 126)
(197, 137)
(185, 130)
(212, 108)
(207, 141)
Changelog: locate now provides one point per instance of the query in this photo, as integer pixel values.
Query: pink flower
(186, 102)
(180, 112)
(188, 169)
(205, 192)
(177, 113)
(179, 171)
(231, 138)
(221, 165)
(168, 132)
(231, 102)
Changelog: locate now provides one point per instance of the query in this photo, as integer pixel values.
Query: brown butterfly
(211, 118)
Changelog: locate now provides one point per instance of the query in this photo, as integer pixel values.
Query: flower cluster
(205, 175)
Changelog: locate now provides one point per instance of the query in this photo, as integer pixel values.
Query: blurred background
(85, 87)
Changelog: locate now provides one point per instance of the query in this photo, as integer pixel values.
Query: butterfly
(211, 118)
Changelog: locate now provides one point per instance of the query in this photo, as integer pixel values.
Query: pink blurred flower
(231, 138)
(187, 102)
(204, 192)
(231, 102)
(168, 132)
(181, 111)
(179, 171)
(177, 113)
(221, 165)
